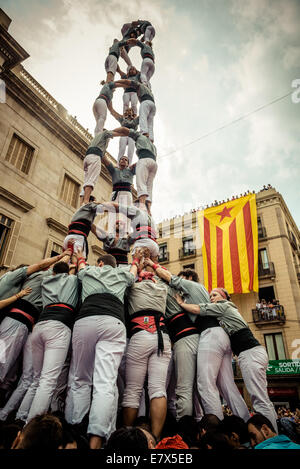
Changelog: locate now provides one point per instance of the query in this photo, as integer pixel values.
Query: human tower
(80, 329)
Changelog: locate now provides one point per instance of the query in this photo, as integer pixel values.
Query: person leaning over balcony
(214, 366)
(252, 357)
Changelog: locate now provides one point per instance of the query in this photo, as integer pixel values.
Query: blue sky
(215, 61)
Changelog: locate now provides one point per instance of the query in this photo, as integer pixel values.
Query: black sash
(180, 325)
(242, 340)
(133, 328)
(81, 227)
(94, 151)
(29, 309)
(146, 97)
(115, 54)
(102, 304)
(58, 312)
(120, 255)
(148, 56)
(205, 322)
(120, 186)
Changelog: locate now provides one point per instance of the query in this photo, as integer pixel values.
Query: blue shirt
(277, 442)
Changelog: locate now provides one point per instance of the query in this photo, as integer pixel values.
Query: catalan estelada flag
(230, 245)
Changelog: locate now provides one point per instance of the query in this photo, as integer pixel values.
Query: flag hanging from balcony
(230, 245)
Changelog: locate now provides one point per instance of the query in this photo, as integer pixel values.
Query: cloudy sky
(216, 60)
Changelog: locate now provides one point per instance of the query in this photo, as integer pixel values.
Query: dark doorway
(267, 293)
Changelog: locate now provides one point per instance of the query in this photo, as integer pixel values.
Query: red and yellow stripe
(230, 245)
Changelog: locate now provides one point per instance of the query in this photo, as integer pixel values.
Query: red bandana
(144, 275)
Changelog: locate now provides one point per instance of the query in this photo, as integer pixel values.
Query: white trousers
(130, 144)
(149, 33)
(142, 358)
(185, 360)
(98, 345)
(23, 384)
(79, 243)
(215, 375)
(253, 364)
(50, 345)
(147, 113)
(92, 170)
(146, 169)
(130, 98)
(59, 395)
(100, 114)
(13, 335)
(111, 64)
(147, 70)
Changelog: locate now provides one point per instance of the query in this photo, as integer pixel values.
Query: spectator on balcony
(264, 310)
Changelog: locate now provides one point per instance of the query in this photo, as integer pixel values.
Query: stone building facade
(279, 278)
(41, 164)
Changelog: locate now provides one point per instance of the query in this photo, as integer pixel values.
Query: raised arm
(137, 263)
(121, 132)
(194, 309)
(162, 273)
(122, 74)
(123, 82)
(80, 260)
(12, 299)
(114, 113)
(45, 263)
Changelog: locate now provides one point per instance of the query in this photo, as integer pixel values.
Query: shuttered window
(5, 231)
(20, 154)
(70, 191)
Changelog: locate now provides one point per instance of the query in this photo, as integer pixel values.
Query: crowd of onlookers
(51, 431)
(215, 203)
(269, 310)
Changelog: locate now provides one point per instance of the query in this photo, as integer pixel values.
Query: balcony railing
(163, 257)
(266, 270)
(183, 252)
(269, 315)
(262, 233)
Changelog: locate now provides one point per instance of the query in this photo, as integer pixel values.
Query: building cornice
(57, 226)
(52, 115)
(14, 200)
(97, 250)
(12, 53)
